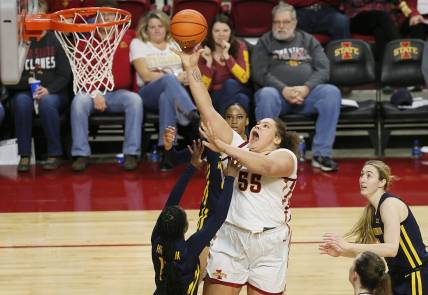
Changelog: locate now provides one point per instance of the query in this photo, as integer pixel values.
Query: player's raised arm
(201, 96)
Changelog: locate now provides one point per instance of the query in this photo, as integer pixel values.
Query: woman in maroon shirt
(225, 65)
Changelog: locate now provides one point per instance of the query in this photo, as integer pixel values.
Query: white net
(91, 53)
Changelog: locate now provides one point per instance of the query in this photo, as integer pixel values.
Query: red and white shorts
(238, 257)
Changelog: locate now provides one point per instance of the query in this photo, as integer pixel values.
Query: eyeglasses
(283, 22)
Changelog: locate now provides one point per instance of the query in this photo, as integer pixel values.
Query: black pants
(379, 24)
(418, 31)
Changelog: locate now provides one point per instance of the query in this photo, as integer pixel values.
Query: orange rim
(37, 23)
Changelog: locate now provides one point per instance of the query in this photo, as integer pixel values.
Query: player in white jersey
(251, 248)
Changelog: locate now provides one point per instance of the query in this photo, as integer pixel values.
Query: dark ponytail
(384, 287)
(172, 224)
(289, 139)
(372, 272)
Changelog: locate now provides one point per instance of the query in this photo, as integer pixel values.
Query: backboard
(13, 50)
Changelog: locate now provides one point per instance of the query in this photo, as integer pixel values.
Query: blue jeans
(323, 99)
(1, 113)
(326, 20)
(231, 92)
(117, 102)
(50, 108)
(167, 96)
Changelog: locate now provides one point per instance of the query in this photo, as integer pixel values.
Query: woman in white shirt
(160, 75)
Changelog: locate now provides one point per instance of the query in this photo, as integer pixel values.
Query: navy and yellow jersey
(212, 190)
(178, 157)
(187, 251)
(412, 254)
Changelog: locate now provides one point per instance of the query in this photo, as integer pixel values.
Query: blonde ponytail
(362, 230)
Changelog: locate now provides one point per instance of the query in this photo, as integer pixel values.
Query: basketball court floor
(89, 233)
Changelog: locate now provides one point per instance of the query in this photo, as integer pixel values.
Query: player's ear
(277, 140)
(186, 227)
(382, 183)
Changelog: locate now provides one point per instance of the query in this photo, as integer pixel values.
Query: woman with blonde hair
(388, 229)
(160, 78)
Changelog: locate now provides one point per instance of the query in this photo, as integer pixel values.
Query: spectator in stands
(47, 62)
(292, 68)
(121, 99)
(1, 113)
(410, 20)
(160, 74)
(225, 65)
(424, 67)
(373, 17)
(3, 96)
(321, 17)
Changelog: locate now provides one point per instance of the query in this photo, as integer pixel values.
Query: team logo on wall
(346, 51)
(406, 50)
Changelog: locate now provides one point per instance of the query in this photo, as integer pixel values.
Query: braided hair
(172, 224)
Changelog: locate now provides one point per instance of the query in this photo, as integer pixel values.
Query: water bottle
(416, 149)
(154, 155)
(302, 149)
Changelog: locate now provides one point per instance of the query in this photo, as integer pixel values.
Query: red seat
(252, 18)
(366, 38)
(208, 8)
(88, 3)
(323, 39)
(137, 8)
(55, 5)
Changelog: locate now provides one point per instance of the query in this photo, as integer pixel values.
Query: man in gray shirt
(292, 69)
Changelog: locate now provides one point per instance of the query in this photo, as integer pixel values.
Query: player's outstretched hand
(169, 137)
(332, 245)
(196, 151)
(233, 167)
(189, 60)
(213, 142)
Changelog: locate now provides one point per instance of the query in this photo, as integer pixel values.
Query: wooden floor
(109, 252)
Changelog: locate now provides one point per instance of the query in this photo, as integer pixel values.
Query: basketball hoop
(89, 37)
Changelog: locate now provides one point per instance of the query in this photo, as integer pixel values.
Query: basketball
(188, 28)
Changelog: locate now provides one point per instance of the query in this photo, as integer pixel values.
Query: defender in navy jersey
(389, 229)
(176, 260)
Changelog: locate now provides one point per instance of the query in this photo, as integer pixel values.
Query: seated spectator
(321, 17)
(373, 17)
(1, 113)
(368, 275)
(410, 20)
(160, 75)
(121, 99)
(292, 68)
(47, 62)
(225, 65)
(424, 66)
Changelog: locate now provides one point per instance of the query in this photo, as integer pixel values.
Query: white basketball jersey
(261, 202)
